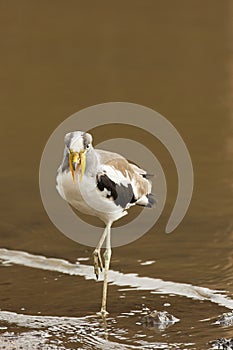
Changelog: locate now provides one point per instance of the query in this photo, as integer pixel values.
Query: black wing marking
(122, 195)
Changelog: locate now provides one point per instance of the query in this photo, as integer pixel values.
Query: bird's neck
(92, 162)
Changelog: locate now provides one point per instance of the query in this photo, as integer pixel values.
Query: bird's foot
(97, 262)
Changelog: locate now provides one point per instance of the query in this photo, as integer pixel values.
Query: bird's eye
(87, 146)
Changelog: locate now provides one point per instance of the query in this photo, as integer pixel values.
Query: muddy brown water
(60, 57)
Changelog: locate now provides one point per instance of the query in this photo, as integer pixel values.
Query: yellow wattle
(83, 164)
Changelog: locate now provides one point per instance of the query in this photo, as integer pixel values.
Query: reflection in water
(54, 332)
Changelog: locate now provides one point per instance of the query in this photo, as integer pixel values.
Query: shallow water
(123, 329)
(175, 57)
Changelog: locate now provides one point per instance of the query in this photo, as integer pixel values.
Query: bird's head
(78, 144)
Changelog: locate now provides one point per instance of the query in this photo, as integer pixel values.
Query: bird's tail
(151, 200)
(147, 201)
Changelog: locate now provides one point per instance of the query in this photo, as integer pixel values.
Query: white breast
(85, 197)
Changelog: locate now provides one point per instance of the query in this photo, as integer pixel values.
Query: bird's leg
(107, 258)
(97, 256)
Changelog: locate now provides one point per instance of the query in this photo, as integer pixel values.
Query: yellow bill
(75, 160)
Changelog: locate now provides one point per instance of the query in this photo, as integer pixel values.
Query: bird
(102, 184)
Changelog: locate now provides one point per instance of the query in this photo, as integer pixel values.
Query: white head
(78, 144)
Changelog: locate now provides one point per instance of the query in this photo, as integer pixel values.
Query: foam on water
(131, 280)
